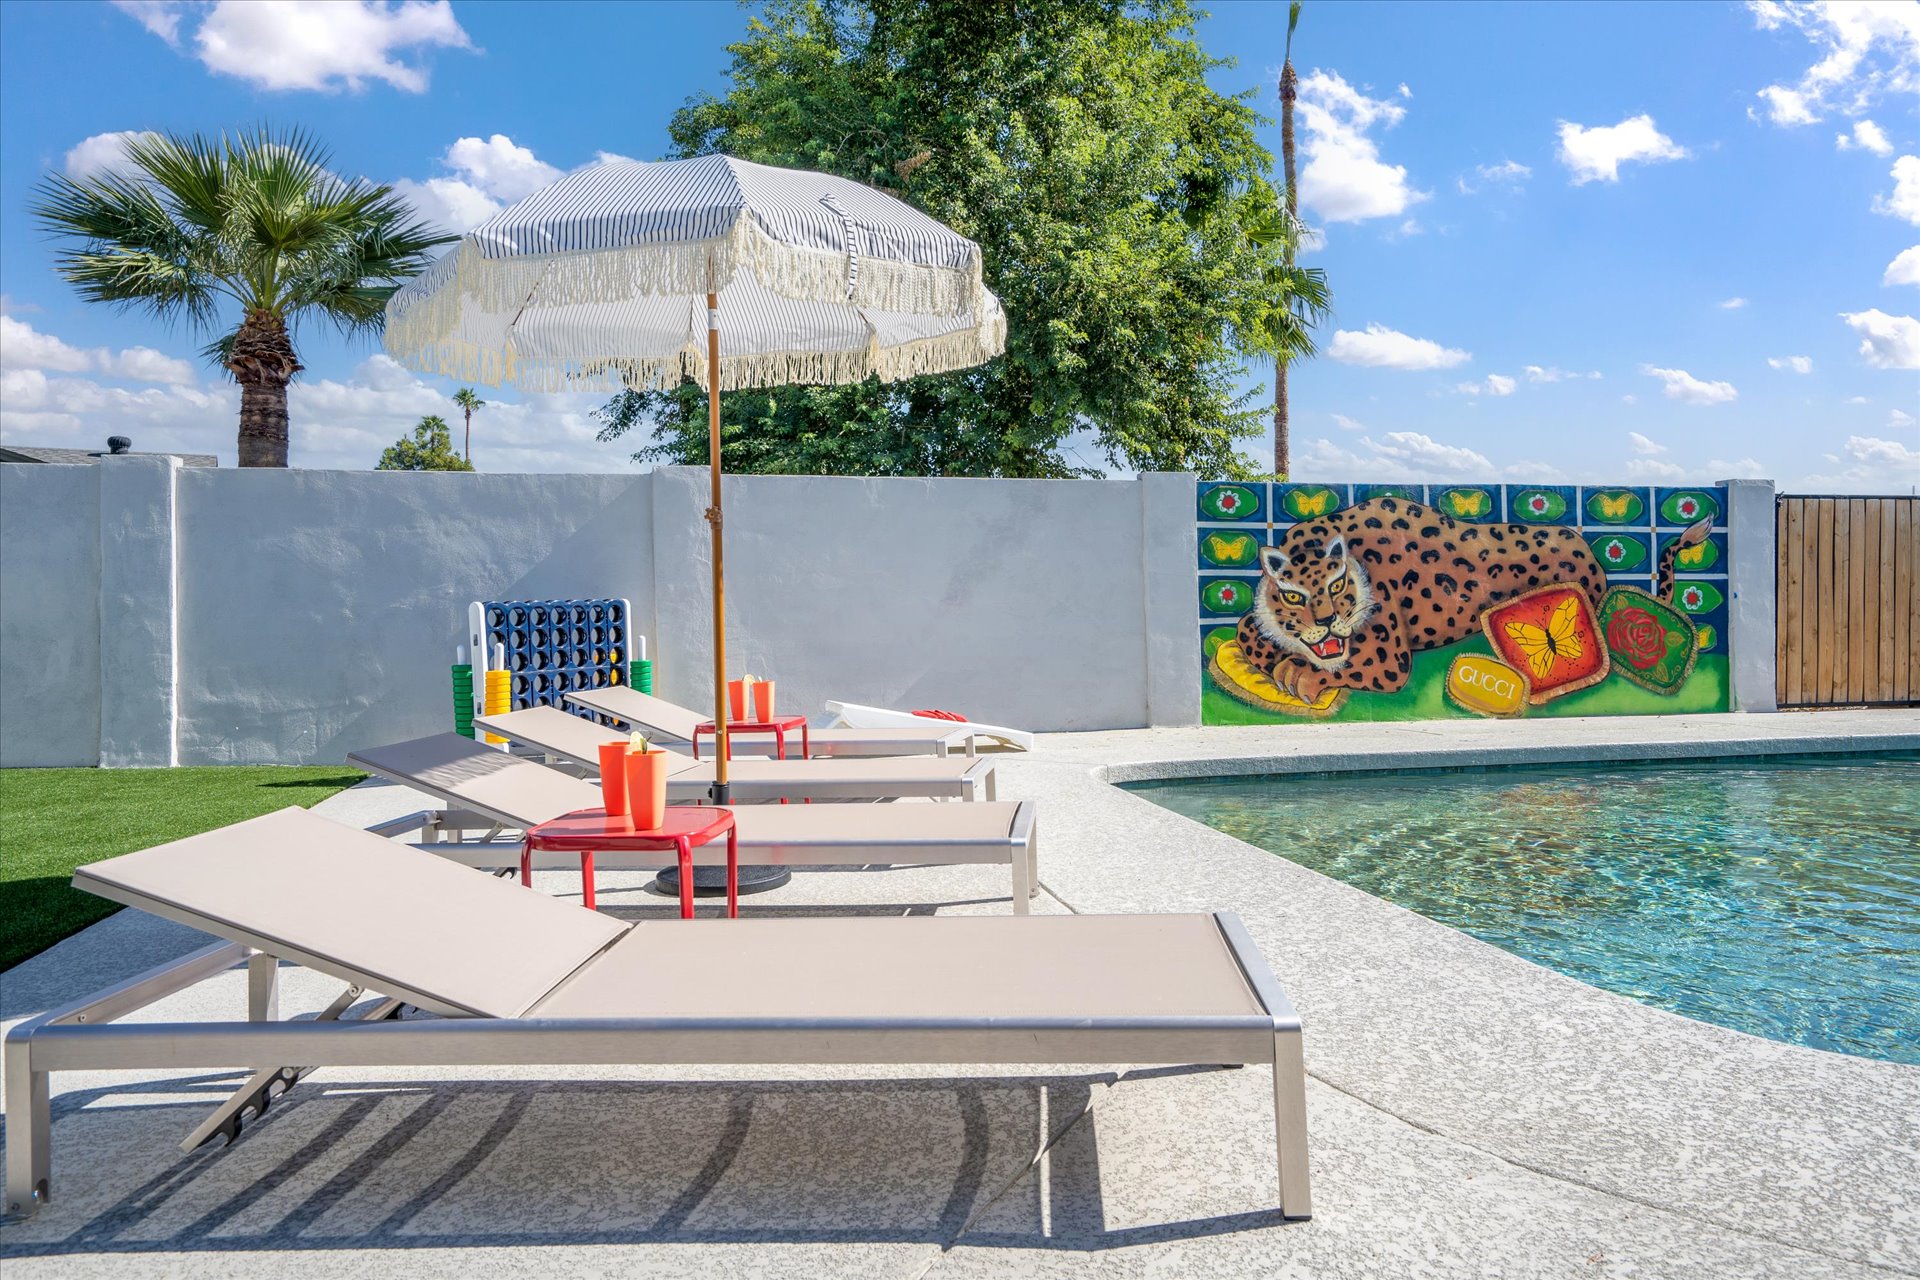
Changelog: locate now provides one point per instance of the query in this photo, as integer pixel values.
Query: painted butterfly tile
(1307, 501)
(1621, 552)
(1616, 506)
(1225, 500)
(1690, 506)
(1550, 634)
(1538, 506)
(1229, 548)
(1705, 557)
(1465, 504)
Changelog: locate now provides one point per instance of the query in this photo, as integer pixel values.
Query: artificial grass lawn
(53, 820)
(1424, 698)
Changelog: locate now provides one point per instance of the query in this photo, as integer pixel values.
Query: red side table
(778, 728)
(684, 826)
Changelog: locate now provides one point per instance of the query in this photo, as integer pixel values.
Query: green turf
(1424, 698)
(53, 820)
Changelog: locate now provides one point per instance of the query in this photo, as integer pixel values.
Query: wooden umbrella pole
(721, 791)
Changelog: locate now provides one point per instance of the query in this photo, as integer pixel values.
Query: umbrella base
(711, 882)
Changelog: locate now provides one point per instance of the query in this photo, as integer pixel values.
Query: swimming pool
(1778, 897)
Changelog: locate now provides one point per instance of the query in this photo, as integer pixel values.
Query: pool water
(1780, 898)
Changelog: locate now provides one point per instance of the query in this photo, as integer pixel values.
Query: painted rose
(1637, 636)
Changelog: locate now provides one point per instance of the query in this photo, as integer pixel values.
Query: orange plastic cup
(647, 788)
(763, 700)
(737, 699)
(613, 778)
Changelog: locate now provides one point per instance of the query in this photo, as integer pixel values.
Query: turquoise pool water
(1780, 898)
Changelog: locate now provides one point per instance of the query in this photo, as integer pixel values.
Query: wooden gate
(1848, 602)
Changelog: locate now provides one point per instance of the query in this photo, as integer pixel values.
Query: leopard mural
(1347, 599)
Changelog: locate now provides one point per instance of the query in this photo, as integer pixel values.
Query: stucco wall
(49, 615)
(319, 610)
(1019, 602)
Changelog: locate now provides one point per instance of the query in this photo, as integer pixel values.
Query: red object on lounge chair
(941, 715)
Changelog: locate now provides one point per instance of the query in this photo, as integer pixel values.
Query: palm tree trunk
(467, 452)
(263, 363)
(1289, 90)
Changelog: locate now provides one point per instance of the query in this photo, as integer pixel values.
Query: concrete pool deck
(1471, 1114)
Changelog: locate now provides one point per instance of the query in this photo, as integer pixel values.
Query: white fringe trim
(962, 349)
(426, 314)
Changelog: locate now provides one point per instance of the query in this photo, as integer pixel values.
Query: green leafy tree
(1110, 188)
(468, 402)
(198, 228)
(430, 448)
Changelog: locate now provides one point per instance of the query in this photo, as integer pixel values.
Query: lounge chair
(490, 792)
(758, 781)
(671, 722)
(854, 715)
(522, 979)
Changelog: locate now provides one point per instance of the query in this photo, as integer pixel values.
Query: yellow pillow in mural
(1234, 677)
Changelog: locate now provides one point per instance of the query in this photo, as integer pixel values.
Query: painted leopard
(1346, 600)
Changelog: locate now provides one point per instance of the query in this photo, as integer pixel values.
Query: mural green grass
(1424, 698)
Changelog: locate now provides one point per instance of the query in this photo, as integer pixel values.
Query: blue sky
(1566, 241)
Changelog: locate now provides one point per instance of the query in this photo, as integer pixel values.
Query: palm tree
(1295, 300)
(254, 221)
(468, 402)
(1289, 91)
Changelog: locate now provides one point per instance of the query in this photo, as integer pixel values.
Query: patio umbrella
(639, 275)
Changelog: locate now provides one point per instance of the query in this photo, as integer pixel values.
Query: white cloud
(1344, 178)
(1345, 423)
(1886, 342)
(325, 45)
(500, 167)
(1683, 386)
(1900, 418)
(1399, 456)
(491, 173)
(612, 157)
(1538, 373)
(1596, 154)
(1731, 304)
(1857, 400)
(24, 347)
(1904, 203)
(1867, 50)
(1508, 173)
(1382, 348)
(1629, 398)
(1904, 269)
(1496, 384)
(448, 203)
(1644, 447)
(1871, 465)
(1799, 364)
(162, 17)
(1653, 469)
(102, 153)
(1866, 136)
(1742, 469)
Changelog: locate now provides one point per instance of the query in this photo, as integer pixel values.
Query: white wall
(49, 615)
(290, 616)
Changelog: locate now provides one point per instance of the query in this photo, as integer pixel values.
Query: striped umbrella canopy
(638, 275)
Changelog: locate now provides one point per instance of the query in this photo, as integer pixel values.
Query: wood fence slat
(1853, 640)
(1886, 658)
(1867, 621)
(1784, 610)
(1794, 620)
(1821, 606)
(1908, 553)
